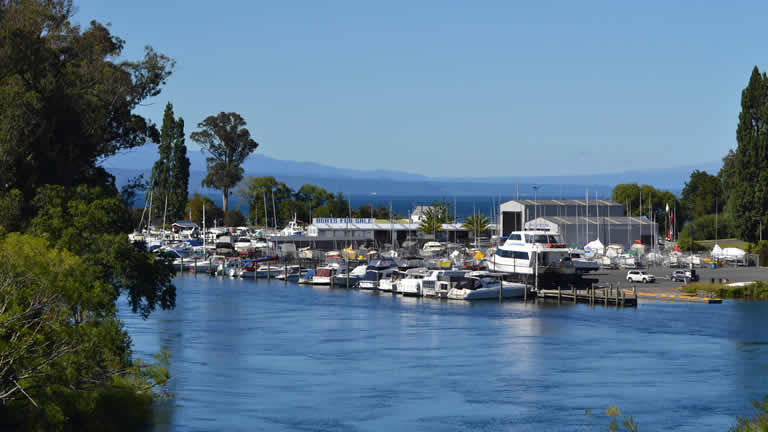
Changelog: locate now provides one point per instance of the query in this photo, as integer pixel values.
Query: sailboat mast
(190, 209)
(274, 212)
(266, 217)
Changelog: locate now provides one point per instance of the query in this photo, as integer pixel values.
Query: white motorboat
(437, 283)
(518, 255)
(265, 271)
(290, 273)
(324, 274)
(354, 276)
(432, 248)
(582, 264)
(410, 283)
(484, 286)
(380, 268)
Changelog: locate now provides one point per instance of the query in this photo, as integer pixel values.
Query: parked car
(681, 275)
(640, 276)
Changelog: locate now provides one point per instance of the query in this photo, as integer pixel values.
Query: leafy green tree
(64, 352)
(291, 208)
(229, 143)
(338, 205)
(212, 211)
(255, 190)
(748, 188)
(433, 218)
(312, 195)
(382, 213)
(364, 211)
(234, 218)
(759, 423)
(66, 102)
(628, 195)
(92, 223)
(701, 195)
(11, 208)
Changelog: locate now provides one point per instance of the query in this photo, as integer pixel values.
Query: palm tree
(476, 224)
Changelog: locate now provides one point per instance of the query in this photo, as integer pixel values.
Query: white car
(640, 276)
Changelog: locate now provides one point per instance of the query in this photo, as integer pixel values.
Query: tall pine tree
(170, 174)
(177, 200)
(161, 171)
(748, 198)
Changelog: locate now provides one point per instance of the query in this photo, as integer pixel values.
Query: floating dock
(597, 295)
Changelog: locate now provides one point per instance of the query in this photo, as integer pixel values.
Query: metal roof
(602, 220)
(564, 202)
(380, 226)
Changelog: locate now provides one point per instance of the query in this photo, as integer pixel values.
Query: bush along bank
(757, 290)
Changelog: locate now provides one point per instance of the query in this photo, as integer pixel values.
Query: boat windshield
(542, 238)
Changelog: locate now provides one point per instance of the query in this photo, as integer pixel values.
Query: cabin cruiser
(266, 271)
(306, 278)
(224, 245)
(290, 273)
(432, 248)
(527, 253)
(582, 264)
(410, 283)
(481, 285)
(324, 275)
(354, 276)
(437, 283)
(380, 268)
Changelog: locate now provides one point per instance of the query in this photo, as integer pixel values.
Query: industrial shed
(578, 231)
(515, 213)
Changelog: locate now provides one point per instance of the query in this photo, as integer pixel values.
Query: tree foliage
(234, 218)
(476, 224)
(628, 195)
(226, 139)
(213, 214)
(170, 174)
(701, 195)
(434, 216)
(748, 176)
(66, 100)
(259, 192)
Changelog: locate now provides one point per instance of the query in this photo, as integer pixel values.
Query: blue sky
(458, 88)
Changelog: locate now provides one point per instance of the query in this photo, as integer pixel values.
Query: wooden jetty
(593, 295)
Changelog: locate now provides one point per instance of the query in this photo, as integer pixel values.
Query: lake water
(257, 355)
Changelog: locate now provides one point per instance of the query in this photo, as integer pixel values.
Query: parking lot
(664, 285)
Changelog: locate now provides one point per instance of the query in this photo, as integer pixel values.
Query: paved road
(664, 285)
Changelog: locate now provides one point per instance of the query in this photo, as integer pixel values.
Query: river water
(258, 355)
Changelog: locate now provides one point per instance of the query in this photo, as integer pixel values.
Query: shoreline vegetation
(756, 290)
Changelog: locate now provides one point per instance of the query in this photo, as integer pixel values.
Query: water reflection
(268, 355)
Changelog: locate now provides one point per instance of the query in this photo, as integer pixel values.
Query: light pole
(535, 203)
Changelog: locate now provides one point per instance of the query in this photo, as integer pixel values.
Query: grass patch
(724, 243)
(757, 290)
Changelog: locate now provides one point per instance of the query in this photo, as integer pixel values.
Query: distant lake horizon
(401, 205)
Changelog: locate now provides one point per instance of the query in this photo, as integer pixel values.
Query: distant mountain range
(387, 182)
